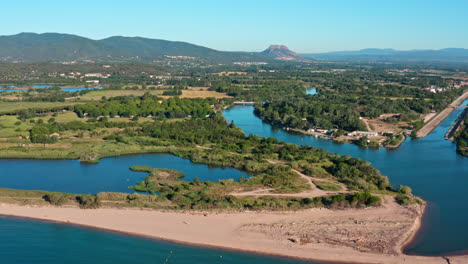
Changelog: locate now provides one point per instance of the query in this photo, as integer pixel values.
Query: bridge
(244, 103)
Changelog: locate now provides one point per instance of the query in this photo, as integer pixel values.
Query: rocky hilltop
(281, 52)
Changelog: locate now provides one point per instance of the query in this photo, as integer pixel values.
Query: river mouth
(430, 166)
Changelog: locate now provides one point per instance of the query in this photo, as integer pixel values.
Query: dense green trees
(147, 105)
(44, 133)
(331, 110)
(461, 138)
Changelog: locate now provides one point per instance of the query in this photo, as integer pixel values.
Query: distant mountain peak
(281, 47)
(282, 52)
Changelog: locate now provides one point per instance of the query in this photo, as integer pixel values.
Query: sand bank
(373, 235)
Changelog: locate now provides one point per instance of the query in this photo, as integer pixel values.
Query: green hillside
(64, 47)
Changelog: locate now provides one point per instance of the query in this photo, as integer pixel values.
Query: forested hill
(64, 47)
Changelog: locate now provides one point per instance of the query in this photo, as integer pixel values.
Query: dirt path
(314, 192)
(433, 123)
(365, 121)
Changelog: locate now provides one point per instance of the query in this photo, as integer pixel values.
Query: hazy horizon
(285, 44)
(303, 26)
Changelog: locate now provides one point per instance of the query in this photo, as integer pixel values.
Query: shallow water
(430, 166)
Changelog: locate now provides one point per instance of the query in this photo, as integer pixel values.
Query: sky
(305, 26)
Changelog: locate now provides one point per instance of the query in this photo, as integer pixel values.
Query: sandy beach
(373, 235)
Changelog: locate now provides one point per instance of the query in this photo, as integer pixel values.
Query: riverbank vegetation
(461, 138)
(201, 138)
(131, 115)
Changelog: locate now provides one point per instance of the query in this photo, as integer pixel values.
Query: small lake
(429, 165)
(109, 175)
(12, 88)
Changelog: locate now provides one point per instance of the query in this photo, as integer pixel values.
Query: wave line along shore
(301, 234)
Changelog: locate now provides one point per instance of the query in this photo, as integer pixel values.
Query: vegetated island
(300, 202)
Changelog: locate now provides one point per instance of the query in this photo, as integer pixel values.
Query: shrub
(56, 199)
(404, 189)
(327, 186)
(404, 199)
(88, 201)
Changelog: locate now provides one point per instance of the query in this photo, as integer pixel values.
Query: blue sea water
(36, 242)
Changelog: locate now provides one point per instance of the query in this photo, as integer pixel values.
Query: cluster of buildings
(181, 57)
(437, 89)
(248, 63)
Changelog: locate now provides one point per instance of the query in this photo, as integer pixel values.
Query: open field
(97, 95)
(191, 92)
(379, 124)
(12, 106)
(10, 126)
(201, 92)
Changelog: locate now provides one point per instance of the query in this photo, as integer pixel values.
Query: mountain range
(391, 55)
(66, 47)
(56, 47)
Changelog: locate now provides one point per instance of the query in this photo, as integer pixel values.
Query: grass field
(97, 95)
(11, 127)
(200, 92)
(191, 92)
(12, 106)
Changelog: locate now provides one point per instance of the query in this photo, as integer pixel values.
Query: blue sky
(302, 25)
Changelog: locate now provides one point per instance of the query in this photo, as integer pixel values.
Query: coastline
(412, 232)
(239, 231)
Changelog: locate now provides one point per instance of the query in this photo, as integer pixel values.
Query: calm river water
(430, 166)
(109, 175)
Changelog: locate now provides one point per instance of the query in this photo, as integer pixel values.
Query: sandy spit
(373, 235)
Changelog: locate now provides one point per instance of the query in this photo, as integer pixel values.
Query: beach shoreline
(237, 231)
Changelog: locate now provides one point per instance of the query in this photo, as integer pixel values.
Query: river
(430, 166)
